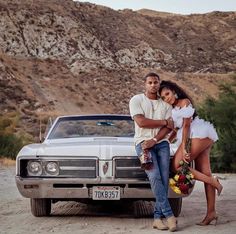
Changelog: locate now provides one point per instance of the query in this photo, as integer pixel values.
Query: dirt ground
(71, 217)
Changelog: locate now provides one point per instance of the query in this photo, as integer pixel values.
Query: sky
(173, 6)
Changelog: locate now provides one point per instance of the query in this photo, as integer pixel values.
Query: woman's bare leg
(202, 164)
(197, 147)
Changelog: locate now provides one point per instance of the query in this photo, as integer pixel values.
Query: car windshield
(92, 126)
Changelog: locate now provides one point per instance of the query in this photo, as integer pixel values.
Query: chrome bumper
(45, 188)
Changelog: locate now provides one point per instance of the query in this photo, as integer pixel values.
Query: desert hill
(65, 57)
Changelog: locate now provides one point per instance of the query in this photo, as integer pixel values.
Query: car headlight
(34, 168)
(52, 168)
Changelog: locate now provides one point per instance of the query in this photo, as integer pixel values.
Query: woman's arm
(185, 136)
(172, 135)
(185, 132)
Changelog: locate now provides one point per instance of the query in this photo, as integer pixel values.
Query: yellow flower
(172, 182)
(176, 189)
(176, 177)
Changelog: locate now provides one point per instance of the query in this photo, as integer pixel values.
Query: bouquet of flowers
(182, 181)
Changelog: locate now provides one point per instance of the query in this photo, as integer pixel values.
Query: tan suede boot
(172, 223)
(159, 224)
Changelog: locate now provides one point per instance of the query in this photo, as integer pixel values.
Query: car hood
(104, 148)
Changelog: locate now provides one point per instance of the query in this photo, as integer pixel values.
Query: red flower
(184, 188)
(182, 181)
(182, 178)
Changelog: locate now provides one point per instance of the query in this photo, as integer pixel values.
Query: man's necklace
(152, 104)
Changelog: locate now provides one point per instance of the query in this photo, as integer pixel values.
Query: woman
(202, 135)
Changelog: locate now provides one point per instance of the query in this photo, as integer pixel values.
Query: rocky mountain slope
(65, 57)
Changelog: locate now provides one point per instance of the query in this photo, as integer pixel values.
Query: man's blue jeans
(159, 177)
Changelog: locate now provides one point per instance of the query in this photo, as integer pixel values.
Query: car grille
(128, 168)
(68, 167)
(82, 168)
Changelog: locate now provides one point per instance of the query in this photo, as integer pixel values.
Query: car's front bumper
(73, 188)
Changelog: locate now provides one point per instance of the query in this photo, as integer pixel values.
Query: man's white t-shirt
(151, 109)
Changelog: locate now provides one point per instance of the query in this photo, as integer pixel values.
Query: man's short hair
(151, 74)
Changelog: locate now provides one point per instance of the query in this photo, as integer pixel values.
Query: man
(151, 116)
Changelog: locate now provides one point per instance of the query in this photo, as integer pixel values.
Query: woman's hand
(148, 144)
(170, 123)
(186, 155)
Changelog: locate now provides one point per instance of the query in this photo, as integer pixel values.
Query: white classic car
(85, 158)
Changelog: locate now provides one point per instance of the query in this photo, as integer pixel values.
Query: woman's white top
(199, 128)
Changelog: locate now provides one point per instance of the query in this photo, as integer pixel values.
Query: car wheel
(40, 206)
(143, 208)
(176, 205)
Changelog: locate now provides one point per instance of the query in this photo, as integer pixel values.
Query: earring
(176, 96)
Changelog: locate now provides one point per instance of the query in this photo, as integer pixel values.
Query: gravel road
(71, 217)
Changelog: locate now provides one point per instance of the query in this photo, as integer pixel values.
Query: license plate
(106, 193)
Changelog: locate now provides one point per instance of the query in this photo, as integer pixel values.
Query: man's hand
(148, 144)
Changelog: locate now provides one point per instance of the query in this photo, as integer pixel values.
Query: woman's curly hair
(177, 89)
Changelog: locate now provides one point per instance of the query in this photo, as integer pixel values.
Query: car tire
(40, 206)
(176, 205)
(143, 208)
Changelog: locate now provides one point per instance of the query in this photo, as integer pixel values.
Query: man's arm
(160, 135)
(137, 113)
(149, 123)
